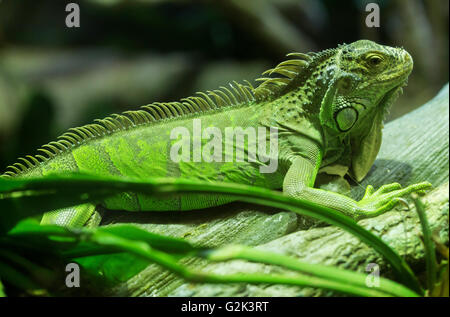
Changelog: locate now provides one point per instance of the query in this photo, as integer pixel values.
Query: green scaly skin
(328, 108)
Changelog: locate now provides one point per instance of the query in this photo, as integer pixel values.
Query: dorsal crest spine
(274, 83)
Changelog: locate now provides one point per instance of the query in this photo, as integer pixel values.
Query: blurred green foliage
(30, 253)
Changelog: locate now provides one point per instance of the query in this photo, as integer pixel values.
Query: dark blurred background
(129, 53)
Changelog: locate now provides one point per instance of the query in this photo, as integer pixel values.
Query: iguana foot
(375, 203)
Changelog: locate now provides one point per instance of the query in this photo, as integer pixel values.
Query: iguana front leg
(299, 181)
(75, 216)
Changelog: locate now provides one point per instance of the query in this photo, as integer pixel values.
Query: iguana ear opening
(346, 118)
(365, 150)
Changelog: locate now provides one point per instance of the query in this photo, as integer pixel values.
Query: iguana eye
(375, 60)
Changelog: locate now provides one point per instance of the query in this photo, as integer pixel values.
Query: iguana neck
(298, 110)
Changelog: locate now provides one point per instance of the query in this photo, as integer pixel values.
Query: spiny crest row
(237, 94)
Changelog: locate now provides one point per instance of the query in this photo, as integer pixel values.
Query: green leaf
(167, 244)
(114, 268)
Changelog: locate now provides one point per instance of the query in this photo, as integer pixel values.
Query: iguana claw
(375, 203)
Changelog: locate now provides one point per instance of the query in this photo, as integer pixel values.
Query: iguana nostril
(407, 58)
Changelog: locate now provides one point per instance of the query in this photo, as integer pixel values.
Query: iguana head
(366, 80)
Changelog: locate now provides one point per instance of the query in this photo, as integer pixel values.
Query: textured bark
(414, 149)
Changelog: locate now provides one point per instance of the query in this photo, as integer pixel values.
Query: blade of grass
(357, 279)
(18, 279)
(38, 273)
(144, 250)
(430, 254)
(128, 239)
(2, 292)
(32, 229)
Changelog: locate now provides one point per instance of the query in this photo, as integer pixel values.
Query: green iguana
(326, 108)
